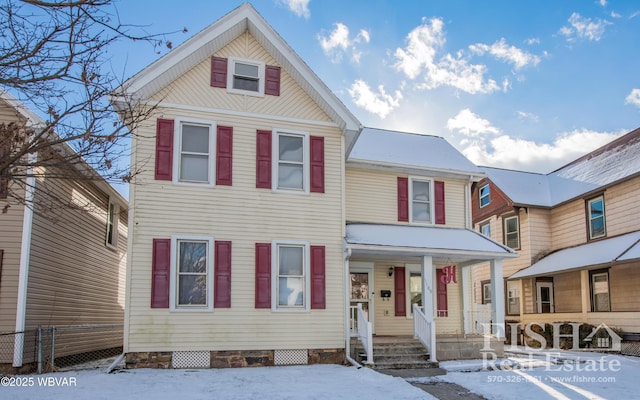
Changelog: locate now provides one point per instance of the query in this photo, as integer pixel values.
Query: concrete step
(408, 364)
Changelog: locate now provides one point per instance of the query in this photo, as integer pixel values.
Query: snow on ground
(560, 375)
(299, 382)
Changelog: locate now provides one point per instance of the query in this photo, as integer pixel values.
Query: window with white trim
(421, 198)
(596, 220)
(512, 232)
(600, 300)
(486, 292)
(113, 215)
(485, 195)
(192, 273)
(291, 167)
(485, 229)
(513, 297)
(291, 276)
(245, 76)
(195, 152)
(414, 287)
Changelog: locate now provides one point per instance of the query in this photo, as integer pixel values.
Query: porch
(406, 281)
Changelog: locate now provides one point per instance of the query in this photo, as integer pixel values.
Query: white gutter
(23, 274)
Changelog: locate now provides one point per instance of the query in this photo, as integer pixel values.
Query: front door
(545, 297)
(361, 292)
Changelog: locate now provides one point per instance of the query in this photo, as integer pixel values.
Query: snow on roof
(411, 150)
(608, 164)
(536, 189)
(596, 253)
(424, 237)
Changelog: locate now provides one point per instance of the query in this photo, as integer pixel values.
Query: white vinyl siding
(245, 216)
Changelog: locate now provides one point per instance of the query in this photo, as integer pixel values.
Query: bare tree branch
(54, 58)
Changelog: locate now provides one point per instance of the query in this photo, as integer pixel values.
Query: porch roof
(607, 251)
(464, 244)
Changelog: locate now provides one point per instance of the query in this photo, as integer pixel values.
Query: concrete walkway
(440, 390)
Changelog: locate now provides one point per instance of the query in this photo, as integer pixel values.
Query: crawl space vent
(290, 357)
(191, 359)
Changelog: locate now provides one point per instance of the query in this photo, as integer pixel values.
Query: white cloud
(419, 58)
(508, 53)
(527, 116)
(603, 3)
(633, 98)
(338, 43)
(531, 41)
(380, 103)
(470, 124)
(615, 15)
(584, 28)
(298, 7)
(514, 153)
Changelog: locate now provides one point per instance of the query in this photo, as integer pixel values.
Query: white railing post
(424, 330)
(365, 334)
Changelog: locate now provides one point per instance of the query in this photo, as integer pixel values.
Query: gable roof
(411, 152)
(212, 38)
(602, 167)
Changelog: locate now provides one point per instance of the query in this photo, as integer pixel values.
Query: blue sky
(525, 85)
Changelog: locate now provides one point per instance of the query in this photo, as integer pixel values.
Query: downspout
(467, 204)
(347, 310)
(23, 274)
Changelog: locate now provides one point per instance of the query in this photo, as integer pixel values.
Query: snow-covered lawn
(544, 375)
(301, 382)
(549, 375)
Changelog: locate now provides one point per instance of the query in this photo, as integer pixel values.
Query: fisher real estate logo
(539, 337)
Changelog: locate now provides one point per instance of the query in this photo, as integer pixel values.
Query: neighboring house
(237, 234)
(60, 265)
(578, 239)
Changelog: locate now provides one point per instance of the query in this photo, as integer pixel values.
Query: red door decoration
(449, 274)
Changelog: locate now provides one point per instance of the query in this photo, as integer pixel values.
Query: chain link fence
(56, 348)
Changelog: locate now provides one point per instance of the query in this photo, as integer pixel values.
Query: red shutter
(316, 146)
(263, 275)
(164, 149)
(160, 273)
(439, 195)
(263, 159)
(224, 155)
(401, 292)
(403, 199)
(218, 72)
(442, 306)
(317, 277)
(272, 80)
(222, 275)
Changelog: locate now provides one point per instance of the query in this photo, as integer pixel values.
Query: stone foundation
(465, 347)
(151, 359)
(232, 358)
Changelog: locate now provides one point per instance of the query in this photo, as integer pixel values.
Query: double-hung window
(292, 166)
(485, 229)
(191, 269)
(291, 276)
(195, 144)
(246, 76)
(596, 220)
(600, 291)
(112, 225)
(512, 232)
(486, 292)
(485, 195)
(513, 297)
(421, 196)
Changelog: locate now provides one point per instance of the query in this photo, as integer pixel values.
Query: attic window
(485, 196)
(246, 77)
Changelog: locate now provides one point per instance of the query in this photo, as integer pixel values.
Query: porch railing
(425, 331)
(353, 321)
(365, 334)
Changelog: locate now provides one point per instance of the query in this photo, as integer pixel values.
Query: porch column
(497, 297)
(428, 300)
(467, 311)
(585, 293)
